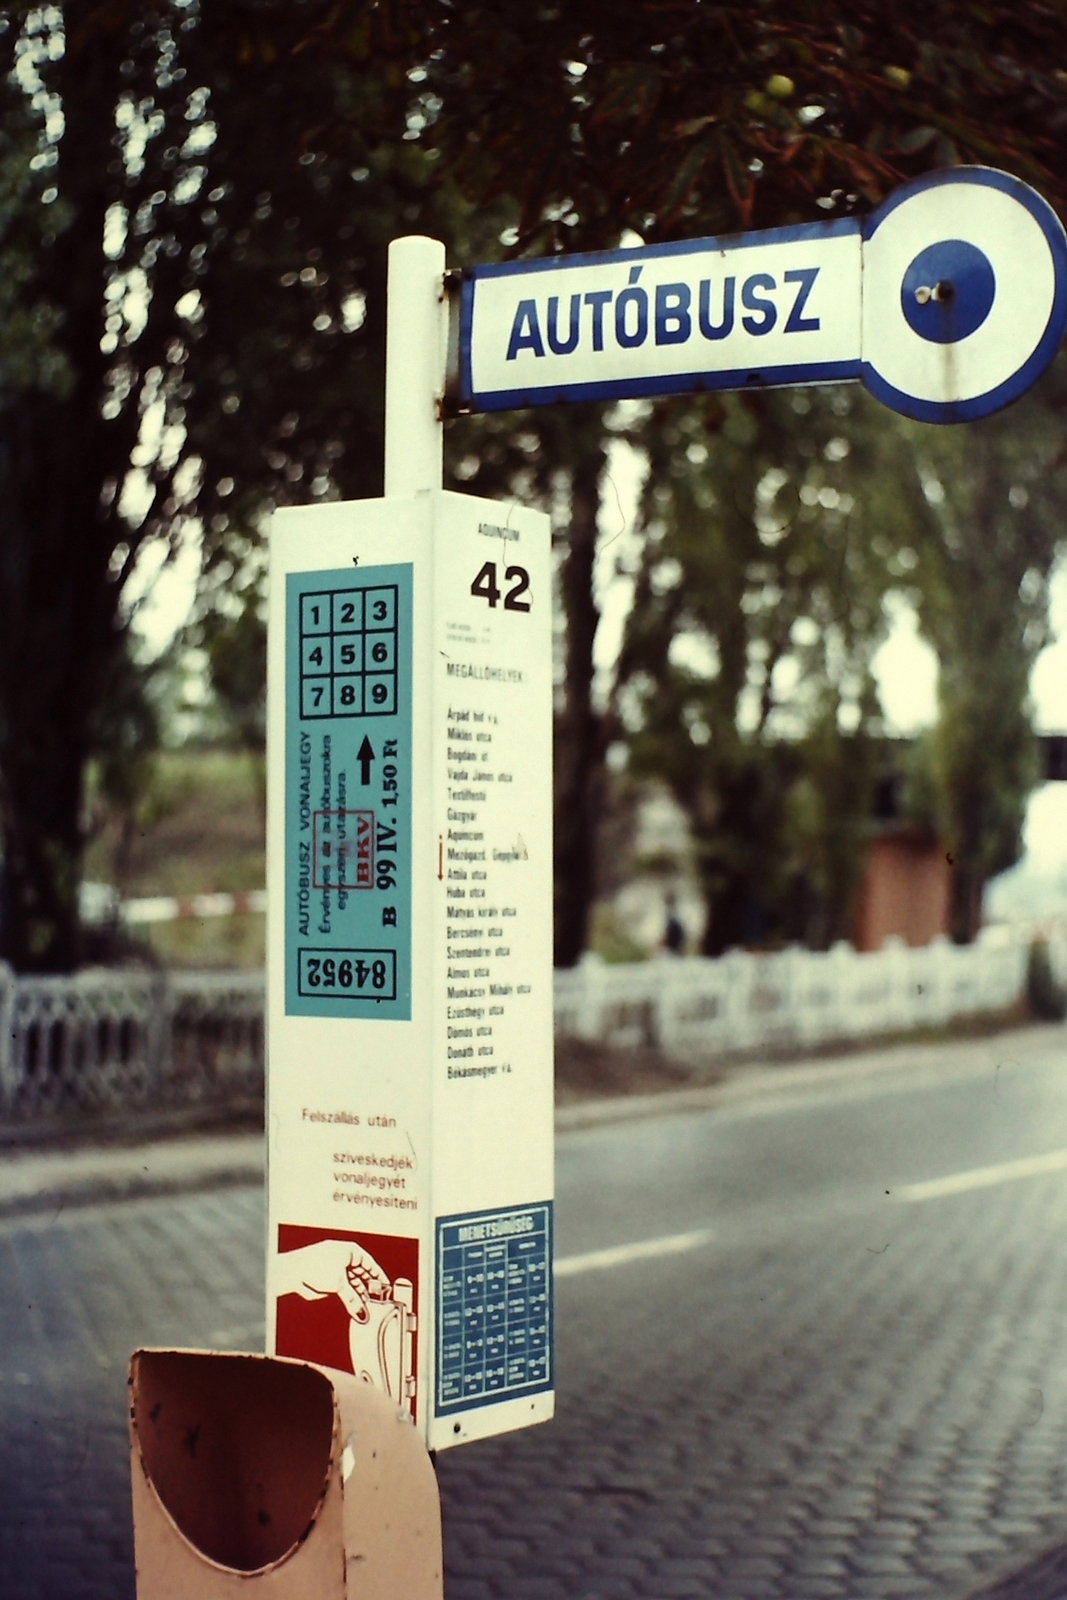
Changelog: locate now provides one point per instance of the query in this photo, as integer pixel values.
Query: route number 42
(484, 586)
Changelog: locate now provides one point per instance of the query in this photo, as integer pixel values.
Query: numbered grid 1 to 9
(348, 653)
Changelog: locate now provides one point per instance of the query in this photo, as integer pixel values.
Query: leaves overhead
(675, 118)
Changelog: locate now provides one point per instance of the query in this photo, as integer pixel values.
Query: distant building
(905, 888)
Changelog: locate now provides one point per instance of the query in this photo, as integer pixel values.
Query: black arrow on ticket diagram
(365, 755)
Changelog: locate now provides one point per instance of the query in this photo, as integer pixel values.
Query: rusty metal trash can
(254, 1470)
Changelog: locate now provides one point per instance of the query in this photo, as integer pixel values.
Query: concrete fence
(109, 1039)
(793, 998)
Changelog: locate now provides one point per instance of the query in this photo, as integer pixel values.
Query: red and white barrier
(169, 908)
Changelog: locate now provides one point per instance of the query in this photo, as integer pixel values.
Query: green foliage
(995, 492)
(198, 827)
(193, 311)
(827, 825)
(29, 358)
(230, 628)
(129, 788)
(195, 203)
(773, 525)
(127, 734)
(775, 529)
(745, 677)
(611, 941)
(678, 119)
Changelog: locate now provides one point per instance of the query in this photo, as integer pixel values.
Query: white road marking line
(985, 1177)
(620, 1255)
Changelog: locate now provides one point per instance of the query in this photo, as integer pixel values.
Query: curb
(142, 1126)
(31, 1184)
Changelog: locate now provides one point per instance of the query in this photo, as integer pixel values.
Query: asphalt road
(813, 1342)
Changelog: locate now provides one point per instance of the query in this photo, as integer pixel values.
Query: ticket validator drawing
(410, 1168)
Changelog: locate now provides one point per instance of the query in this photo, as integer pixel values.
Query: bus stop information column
(410, 1003)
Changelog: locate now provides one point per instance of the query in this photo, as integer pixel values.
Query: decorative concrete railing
(109, 1039)
(792, 998)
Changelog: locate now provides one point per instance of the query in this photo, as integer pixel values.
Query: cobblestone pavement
(837, 1395)
(78, 1293)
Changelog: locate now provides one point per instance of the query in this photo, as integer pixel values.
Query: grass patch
(199, 830)
(589, 1070)
(208, 944)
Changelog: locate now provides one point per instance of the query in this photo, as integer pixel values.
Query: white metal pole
(416, 347)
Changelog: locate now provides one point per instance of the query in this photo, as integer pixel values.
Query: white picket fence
(119, 1039)
(793, 998)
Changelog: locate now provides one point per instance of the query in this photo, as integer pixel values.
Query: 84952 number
(346, 974)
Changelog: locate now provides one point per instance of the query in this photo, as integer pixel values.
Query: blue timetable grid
(494, 1307)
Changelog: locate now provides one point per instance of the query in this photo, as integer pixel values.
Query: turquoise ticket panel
(348, 793)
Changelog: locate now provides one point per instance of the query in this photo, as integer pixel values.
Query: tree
(126, 740)
(779, 526)
(669, 119)
(192, 309)
(773, 523)
(995, 492)
(674, 118)
(192, 326)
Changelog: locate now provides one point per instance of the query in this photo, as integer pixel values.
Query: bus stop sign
(947, 302)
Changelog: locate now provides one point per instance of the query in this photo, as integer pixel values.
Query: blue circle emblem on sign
(948, 291)
(964, 294)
